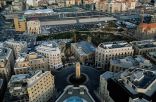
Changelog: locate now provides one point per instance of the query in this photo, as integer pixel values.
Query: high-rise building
(51, 51)
(17, 46)
(144, 46)
(111, 50)
(6, 62)
(20, 24)
(36, 86)
(30, 62)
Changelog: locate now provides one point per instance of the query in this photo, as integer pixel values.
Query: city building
(70, 3)
(20, 24)
(83, 51)
(51, 51)
(17, 46)
(32, 3)
(146, 31)
(6, 63)
(117, 65)
(30, 62)
(37, 86)
(152, 56)
(143, 46)
(103, 91)
(72, 93)
(2, 89)
(2, 3)
(111, 50)
(17, 5)
(114, 6)
(34, 27)
(133, 85)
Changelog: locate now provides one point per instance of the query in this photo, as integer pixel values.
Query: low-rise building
(17, 46)
(117, 65)
(6, 63)
(34, 27)
(111, 50)
(152, 56)
(143, 46)
(83, 51)
(30, 62)
(146, 31)
(37, 86)
(20, 24)
(18, 5)
(51, 51)
(71, 93)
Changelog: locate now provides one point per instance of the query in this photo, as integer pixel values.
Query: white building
(33, 27)
(16, 46)
(51, 51)
(111, 50)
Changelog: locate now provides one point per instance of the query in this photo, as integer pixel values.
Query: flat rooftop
(144, 44)
(4, 52)
(115, 44)
(84, 48)
(130, 61)
(75, 94)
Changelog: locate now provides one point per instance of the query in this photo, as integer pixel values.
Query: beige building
(2, 3)
(113, 6)
(30, 62)
(17, 46)
(18, 5)
(83, 51)
(111, 50)
(118, 65)
(51, 51)
(144, 46)
(34, 27)
(20, 24)
(37, 86)
(6, 62)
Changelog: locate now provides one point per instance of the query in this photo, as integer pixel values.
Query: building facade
(111, 50)
(37, 86)
(18, 5)
(51, 51)
(144, 46)
(30, 62)
(17, 47)
(34, 27)
(20, 24)
(6, 62)
(114, 6)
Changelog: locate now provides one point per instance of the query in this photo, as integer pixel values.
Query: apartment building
(36, 86)
(30, 62)
(20, 24)
(144, 46)
(17, 46)
(34, 27)
(111, 50)
(51, 51)
(6, 63)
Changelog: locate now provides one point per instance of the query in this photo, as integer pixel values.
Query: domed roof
(74, 99)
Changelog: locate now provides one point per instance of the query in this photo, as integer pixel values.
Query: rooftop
(39, 11)
(84, 47)
(130, 61)
(112, 45)
(138, 80)
(144, 44)
(147, 26)
(75, 94)
(4, 52)
(12, 41)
